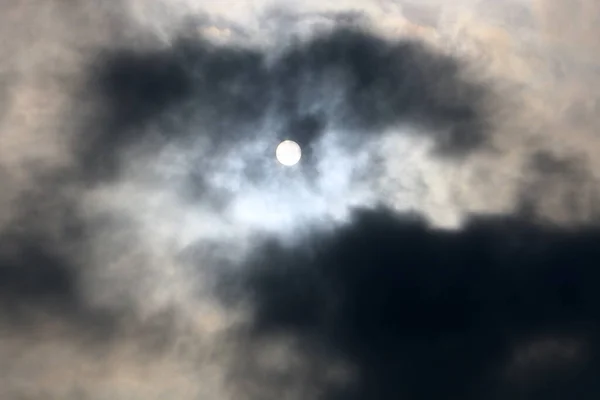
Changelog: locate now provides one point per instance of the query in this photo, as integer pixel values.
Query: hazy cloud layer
(437, 240)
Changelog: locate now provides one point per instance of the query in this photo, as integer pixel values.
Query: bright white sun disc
(288, 153)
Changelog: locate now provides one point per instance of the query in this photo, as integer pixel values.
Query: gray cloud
(348, 81)
(151, 245)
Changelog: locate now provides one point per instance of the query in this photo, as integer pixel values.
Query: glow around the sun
(288, 153)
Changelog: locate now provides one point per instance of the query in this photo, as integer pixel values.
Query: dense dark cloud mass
(30, 271)
(347, 79)
(424, 313)
(35, 264)
(152, 247)
(39, 263)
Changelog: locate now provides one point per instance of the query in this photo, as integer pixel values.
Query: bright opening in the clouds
(288, 153)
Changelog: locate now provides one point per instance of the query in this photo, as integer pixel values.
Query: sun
(288, 153)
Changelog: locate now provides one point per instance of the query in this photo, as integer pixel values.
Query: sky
(437, 239)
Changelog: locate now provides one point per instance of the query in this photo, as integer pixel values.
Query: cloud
(423, 313)
(150, 245)
(346, 80)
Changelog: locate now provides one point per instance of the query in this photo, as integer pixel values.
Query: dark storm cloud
(34, 267)
(31, 271)
(346, 79)
(224, 92)
(41, 252)
(505, 308)
(418, 313)
(428, 314)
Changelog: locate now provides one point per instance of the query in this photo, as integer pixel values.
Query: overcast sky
(437, 239)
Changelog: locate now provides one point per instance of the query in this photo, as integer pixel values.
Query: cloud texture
(437, 239)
